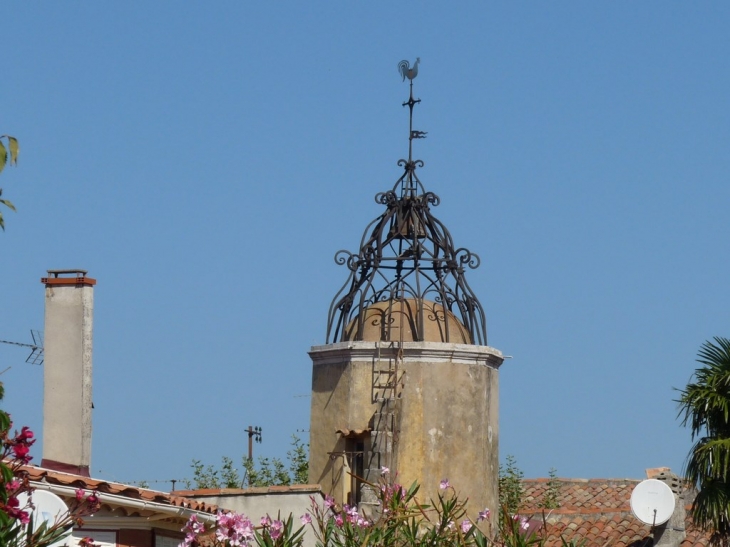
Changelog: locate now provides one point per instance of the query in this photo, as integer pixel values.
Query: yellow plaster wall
(447, 420)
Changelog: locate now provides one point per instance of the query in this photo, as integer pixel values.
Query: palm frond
(710, 508)
(704, 404)
(709, 459)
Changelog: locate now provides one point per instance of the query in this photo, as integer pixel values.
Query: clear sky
(204, 162)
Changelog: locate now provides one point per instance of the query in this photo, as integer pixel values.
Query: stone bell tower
(406, 379)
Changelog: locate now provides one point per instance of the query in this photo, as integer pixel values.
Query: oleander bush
(17, 526)
(399, 520)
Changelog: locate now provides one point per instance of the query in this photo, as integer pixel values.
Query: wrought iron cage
(407, 255)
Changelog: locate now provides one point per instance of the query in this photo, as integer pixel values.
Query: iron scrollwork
(407, 254)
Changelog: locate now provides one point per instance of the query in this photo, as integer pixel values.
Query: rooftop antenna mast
(36, 348)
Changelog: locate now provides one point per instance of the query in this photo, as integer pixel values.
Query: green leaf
(6, 472)
(3, 156)
(14, 150)
(7, 204)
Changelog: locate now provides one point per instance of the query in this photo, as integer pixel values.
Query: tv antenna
(36, 348)
(652, 502)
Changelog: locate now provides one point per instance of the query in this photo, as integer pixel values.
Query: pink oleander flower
(306, 519)
(13, 485)
(451, 525)
(276, 529)
(339, 521)
(524, 523)
(25, 434)
(223, 519)
(483, 515)
(21, 451)
(384, 471)
(362, 522)
(233, 529)
(466, 525)
(223, 522)
(80, 494)
(92, 498)
(266, 521)
(13, 511)
(195, 526)
(444, 484)
(244, 527)
(352, 514)
(329, 502)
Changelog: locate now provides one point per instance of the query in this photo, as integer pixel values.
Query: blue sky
(204, 164)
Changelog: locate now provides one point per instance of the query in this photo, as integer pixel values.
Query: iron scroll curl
(468, 258)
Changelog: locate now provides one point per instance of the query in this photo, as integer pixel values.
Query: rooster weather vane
(407, 259)
(404, 67)
(410, 72)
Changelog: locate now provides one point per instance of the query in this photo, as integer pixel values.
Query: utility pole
(254, 433)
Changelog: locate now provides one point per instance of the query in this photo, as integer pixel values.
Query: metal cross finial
(410, 72)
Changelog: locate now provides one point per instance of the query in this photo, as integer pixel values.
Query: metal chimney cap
(56, 273)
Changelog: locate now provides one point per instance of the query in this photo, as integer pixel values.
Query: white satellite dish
(652, 502)
(49, 508)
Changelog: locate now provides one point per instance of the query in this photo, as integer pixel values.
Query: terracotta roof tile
(313, 488)
(597, 511)
(38, 474)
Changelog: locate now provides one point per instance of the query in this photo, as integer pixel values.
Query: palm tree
(704, 405)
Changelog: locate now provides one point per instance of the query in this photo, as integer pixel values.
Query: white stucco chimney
(67, 371)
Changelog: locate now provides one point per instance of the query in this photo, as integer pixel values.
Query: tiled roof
(57, 478)
(582, 494)
(595, 510)
(254, 490)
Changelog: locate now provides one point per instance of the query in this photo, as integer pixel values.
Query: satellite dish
(652, 502)
(49, 508)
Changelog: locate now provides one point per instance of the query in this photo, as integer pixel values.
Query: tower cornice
(417, 352)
